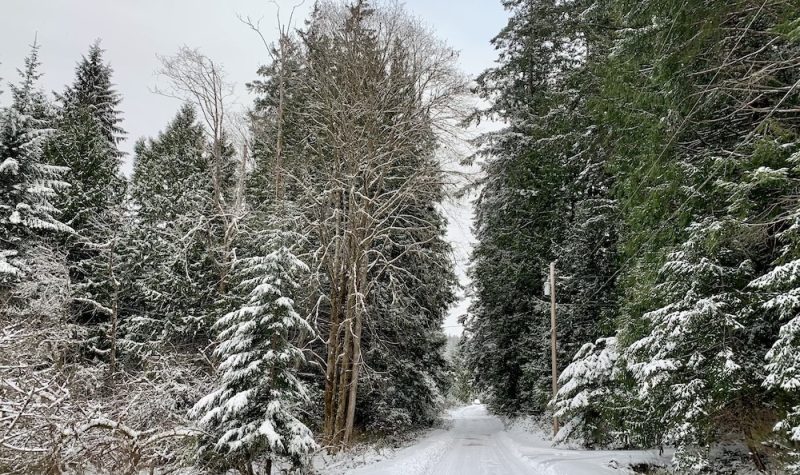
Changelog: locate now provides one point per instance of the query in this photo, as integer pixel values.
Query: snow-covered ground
(478, 444)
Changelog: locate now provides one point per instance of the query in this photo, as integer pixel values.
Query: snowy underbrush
(525, 424)
(541, 426)
(371, 448)
(66, 411)
(729, 458)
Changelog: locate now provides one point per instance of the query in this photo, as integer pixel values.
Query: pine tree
(673, 184)
(778, 292)
(278, 124)
(461, 387)
(88, 132)
(252, 412)
(696, 351)
(726, 184)
(28, 185)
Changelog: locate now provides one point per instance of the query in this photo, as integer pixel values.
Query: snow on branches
(252, 410)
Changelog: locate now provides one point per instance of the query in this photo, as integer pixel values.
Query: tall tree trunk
(359, 285)
(279, 135)
(112, 367)
(330, 369)
(345, 370)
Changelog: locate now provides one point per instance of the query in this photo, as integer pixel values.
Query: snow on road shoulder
(530, 443)
(418, 459)
(422, 446)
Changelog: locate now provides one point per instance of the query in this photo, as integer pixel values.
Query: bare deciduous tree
(197, 79)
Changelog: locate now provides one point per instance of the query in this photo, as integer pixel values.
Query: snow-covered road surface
(477, 444)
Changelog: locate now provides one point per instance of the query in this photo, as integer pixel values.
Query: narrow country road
(472, 446)
(478, 444)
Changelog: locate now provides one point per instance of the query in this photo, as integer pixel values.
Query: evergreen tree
(252, 412)
(28, 185)
(86, 138)
(701, 205)
(589, 391)
(461, 387)
(695, 353)
(783, 359)
(545, 197)
(278, 125)
(365, 193)
(670, 180)
(172, 276)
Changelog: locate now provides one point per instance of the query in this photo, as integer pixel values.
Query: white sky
(134, 31)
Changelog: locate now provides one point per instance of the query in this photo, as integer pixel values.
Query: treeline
(263, 286)
(651, 150)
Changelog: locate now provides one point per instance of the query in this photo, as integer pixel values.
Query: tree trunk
(279, 135)
(355, 365)
(359, 284)
(345, 370)
(330, 370)
(112, 366)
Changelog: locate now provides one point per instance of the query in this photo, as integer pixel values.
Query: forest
(261, 287)
(651, 151)
(268, 288)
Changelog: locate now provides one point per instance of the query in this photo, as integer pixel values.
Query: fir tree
(778, 292)
(589, 390)
(545, 196)
(86, 138)
(28, 185)
(172, 275)
(252, 412)
(87, 135)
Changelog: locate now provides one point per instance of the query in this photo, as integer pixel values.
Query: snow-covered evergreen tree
(587, 396)
(695, 353)
(172, 274)
(253, 411)
(778, 293)
(87, 134)
(28, 184)
(546, 196)
(86, 138)
(783, 359)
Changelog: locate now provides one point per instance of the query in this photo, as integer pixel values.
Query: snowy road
(477, 444)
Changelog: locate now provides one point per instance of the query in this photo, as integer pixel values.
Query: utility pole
(553, 365)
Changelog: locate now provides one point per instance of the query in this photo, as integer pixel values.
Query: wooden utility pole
(553, 365)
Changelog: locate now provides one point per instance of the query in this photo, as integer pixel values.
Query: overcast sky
(134, 31)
